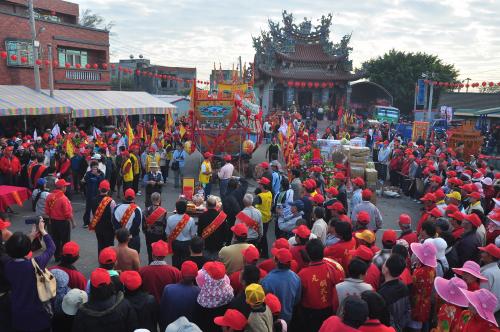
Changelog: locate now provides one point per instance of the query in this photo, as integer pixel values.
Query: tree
(399, 71)
(91, 20)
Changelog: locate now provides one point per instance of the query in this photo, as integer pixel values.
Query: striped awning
(86, 103)
(21, 100)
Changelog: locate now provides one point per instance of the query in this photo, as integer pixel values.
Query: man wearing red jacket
(10, 166)
(407, 233)
(429, 204)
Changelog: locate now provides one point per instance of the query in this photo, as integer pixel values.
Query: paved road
(390, 208)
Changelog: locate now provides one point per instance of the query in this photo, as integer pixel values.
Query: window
(20, 48)
(73, 57)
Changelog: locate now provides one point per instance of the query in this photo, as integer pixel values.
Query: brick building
(144, 82)
(76, 49)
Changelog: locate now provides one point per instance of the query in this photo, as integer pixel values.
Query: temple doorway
(278, 98)
(305, 98)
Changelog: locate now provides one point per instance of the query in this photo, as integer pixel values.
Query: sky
(197, 33)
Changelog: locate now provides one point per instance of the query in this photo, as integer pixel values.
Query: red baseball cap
(457, 215)
(208, 154)
(129, 193)
(264, 164)
(4, 224)
(280, 243)
(316, 169)
(189, 269)
(362, 252)
(492, 250)
(333, 191)
(216, 270)
(363, 218)
(339, 176)
(345, 217)
(436, 212)
(389, 236)
(131, 280)
(436, 178)
(284, 256)
(358, 181)
(473, 219)
(240, 229)
(318, 199)
(160, 249)
(337, 206)
(100, 277)
(475, 195)
(227, 157)
(428, 197)
(302, 231)
(107, 256)
(264, 180)
(61, 183)
(71, 248)
(366, 194)
(439, 194)
(451, 208)
(250, 254)
(233, 319)
(451, 174)
(404, 219)
(273, 303)
(104, 184)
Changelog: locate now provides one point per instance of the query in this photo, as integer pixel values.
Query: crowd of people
(322, 270)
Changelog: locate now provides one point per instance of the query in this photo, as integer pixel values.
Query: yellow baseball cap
(366, 235)
(255, 294)
(455, 194)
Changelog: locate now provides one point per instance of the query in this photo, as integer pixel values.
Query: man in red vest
(10, 166)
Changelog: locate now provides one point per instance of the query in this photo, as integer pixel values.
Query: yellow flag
(129, 133)
(182, 130)
(169, 122)
(70, 148)
(154, 131)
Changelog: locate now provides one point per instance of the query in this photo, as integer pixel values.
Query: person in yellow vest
(206, 173)
(136, 167)
(263, 202)
(152, 156)
(126, 171)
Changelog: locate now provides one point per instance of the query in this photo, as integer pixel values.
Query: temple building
(298, 65)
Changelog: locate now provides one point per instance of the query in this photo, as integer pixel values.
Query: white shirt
(187, 233)
(320, 229)
(492, 272)
(226, 171)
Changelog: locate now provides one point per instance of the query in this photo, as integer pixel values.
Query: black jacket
(105, 225)
(115, 314)
(215, 241)
(397, 299)
(467, 248)
(146, 308)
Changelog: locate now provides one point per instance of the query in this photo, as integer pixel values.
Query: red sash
(178, 228)
(128, 213)
(50, 202)
(214, 225)
(99, 212)
(245, 218)
(155, 215)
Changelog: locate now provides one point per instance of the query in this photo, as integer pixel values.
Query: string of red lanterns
(302, 84)
(453, 85)
(105, 66)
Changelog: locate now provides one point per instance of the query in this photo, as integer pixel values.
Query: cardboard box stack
(358, 158)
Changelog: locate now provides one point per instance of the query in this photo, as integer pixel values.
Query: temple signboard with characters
(298, 65)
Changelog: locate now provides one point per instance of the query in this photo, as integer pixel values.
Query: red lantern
(24, 59)
(47, 62)
(316, 85)
(296, 84)
(483, 84)
(150, 74)
(87, 66)
(104, 66)
(95, 66)
(38, 62)
(323, 85)
(467, 85)
(67, 65)
(78, 66)
(3, 55)
(138, 72)
(55, 63)
(302, 84)
(498, 83)
(492, 84)
(13, 57)
(331, 84)
(461, 85)
(446, 84)
(290, 83)
(113, 66)
(309, 85)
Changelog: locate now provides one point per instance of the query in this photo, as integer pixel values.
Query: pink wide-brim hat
(425, 252)
(449, 290)
(484, 302)
(470, 267)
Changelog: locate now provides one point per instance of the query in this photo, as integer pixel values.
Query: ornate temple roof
(309, 53)
(311, 74)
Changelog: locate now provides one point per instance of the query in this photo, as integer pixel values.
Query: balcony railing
(83, 75)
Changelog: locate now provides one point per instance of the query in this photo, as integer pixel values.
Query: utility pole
(51, 70)
(467, 86)
(429, 110)
(35, 44)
